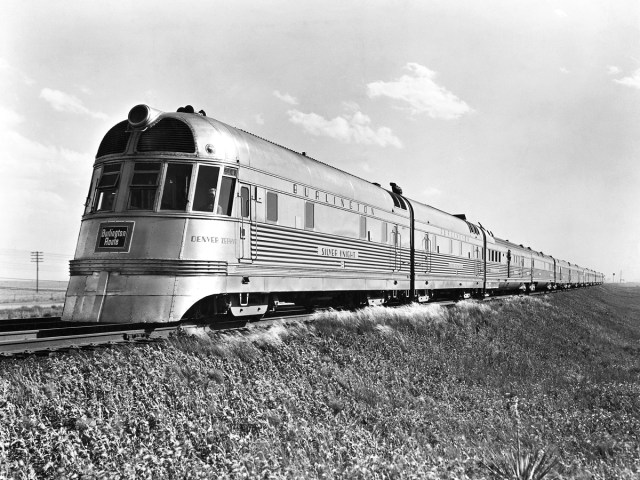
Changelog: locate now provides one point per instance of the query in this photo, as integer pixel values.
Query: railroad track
(46, 335)
(50, 334)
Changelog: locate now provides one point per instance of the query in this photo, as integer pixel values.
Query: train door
(246, 221)
(397, 245)
(427, 253)
(478, 263)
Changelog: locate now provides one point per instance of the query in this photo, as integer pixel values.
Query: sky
(523, 115)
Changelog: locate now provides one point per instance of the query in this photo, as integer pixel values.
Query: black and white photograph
(387, 239)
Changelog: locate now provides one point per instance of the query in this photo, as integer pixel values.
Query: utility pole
(37, 257)
(614, 278)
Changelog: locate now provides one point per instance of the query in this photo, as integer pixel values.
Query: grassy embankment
(408, 393)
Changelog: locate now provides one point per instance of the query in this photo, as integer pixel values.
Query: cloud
(560, 13)
(613, 70)
(421, 93)
(9, 118)
(49, 182)
(564, 70)
(348, 128)
(11, 71)
(286, 98)
(632, 81)
(259, 119)
(64, 102)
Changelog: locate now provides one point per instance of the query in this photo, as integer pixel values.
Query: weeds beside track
(424, 393)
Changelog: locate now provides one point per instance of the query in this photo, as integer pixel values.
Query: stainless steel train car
(187, 217)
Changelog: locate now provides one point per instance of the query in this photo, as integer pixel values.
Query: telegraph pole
(37, 257)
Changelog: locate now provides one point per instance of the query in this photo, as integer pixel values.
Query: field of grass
(24, 291)
(416, 392)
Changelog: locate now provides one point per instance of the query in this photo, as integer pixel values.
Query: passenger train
(190, 218)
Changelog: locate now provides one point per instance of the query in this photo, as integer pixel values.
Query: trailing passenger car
(187, 217)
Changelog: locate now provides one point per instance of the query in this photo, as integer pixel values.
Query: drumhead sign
(114, 237)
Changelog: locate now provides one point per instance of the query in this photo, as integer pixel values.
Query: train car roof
(257, 152)
(217, 141)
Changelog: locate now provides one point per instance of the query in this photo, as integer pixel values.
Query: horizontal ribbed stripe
(147, 267)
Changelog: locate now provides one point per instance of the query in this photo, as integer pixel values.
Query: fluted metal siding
(280, 245)
(148, 267)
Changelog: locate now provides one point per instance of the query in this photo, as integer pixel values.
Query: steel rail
(57, 335)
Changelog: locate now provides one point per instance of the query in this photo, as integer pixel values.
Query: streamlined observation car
(187, 217)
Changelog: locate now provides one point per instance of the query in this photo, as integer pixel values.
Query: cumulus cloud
(349, 128)
(421, 93)
(613, 70)
(631, 81)
(64, 102)
(286, 98)
(9, 70)
(9, 118)
(48, 181)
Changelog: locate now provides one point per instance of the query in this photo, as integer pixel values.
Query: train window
(363, 227)
(244, 202)
(176, 187)
(385, 232)
(144, 185)
(88, 204)
(309, 214)
(272, 207)
(107, 187)
(206, 189)
(227, 189)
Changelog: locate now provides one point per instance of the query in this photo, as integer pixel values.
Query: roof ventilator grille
(168, 135)
(115, 141)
